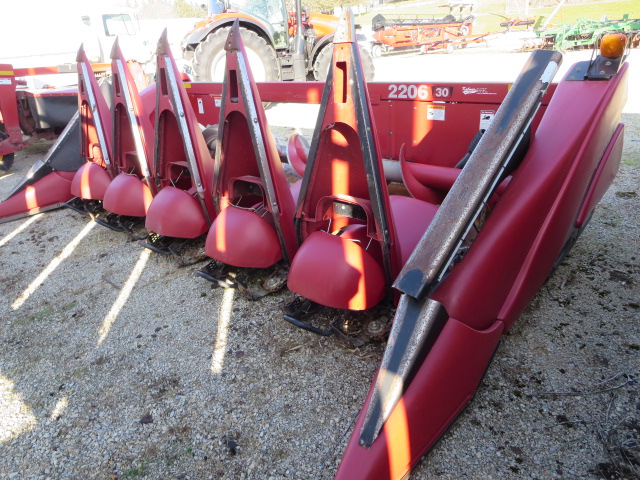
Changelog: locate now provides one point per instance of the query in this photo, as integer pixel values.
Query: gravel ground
(120, 364)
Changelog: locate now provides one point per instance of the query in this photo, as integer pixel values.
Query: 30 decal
(442, 92)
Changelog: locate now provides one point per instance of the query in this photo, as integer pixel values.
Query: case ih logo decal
(476, 91)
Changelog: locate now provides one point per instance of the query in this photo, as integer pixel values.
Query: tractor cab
(271, 13)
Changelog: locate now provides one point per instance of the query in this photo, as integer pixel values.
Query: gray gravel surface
(119, 364)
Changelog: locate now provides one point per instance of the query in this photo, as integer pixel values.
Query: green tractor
(276, 48)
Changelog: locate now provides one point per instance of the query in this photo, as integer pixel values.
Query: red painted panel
(243, 238)
(350, 276)
(127, 195)
(175, 146)
(411, 218)
(175, 213)
(400, 112)
(51, 190)
(248, 150)
(604, 175)
(132, 138)
(517, 246)
(95, 118)
(443, 385)
(90, 182)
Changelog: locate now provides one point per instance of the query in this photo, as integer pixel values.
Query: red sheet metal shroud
(183, 167)
(256, 206)
(354, 236)
(176, 213)
(443, 385)
(132, 190)
(127, 195)
(557, 183)
(243, 238)
(53, 189)
(90, 182)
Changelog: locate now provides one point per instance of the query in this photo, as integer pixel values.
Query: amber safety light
(612, 45)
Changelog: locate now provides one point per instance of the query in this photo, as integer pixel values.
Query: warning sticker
(435, 112)
(5, 81)
(486, 117)
(218, 101)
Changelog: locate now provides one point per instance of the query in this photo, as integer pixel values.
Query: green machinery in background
(585, 33)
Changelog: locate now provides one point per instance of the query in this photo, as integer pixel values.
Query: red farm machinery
(403, 33)
(446, 210)
(30, 114)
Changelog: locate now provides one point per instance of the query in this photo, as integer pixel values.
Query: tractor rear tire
(323, 59)
(209, 59)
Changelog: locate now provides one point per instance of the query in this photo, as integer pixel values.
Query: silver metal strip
(133, 119)
(182, 125)
(30, 213)
(259, 148)
(93, 104)
(184, 133)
